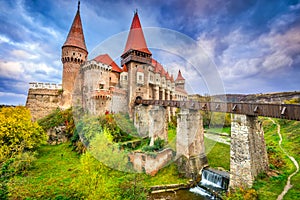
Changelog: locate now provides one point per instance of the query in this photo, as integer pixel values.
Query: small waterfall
(215, 179)
(212, 183)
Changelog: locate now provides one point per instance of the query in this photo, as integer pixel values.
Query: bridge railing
(285, 111)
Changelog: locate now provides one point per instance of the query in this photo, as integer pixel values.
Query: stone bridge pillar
(190, 150)
(151, 121)
(248, 155)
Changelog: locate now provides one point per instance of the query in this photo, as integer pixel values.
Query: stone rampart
(50, 86)
(42, 102)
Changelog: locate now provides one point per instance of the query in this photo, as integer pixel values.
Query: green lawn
(226, 130)
(270, 187)
(50, 175)
(60, 173)
(218, 154)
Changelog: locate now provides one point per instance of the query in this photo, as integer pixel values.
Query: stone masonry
(43, 98)
(248, 155)
(151, 163)
(151, 121)
(190, 142)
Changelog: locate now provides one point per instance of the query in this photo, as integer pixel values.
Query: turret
(74, 53)
(180, 81)
(136, 48)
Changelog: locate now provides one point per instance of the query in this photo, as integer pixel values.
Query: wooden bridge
(284, 111)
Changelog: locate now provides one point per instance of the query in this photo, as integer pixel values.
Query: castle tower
(137, 58)
(74, 53)
(180, 81)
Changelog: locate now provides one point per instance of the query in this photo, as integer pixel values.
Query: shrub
(157, 146)
(18, 133)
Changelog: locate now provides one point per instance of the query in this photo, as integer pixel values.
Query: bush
(19, 164)
(59, 118)
(18, 133)
(157, 146)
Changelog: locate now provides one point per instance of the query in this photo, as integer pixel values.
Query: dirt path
(288, 183)
(217, 138)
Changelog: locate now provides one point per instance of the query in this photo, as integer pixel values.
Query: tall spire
(179, 76)
(75, 37)
(136, 39)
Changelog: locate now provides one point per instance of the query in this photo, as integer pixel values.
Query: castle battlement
(92, 64)
(50, 86)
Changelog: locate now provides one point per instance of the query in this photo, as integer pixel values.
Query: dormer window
(101, 86)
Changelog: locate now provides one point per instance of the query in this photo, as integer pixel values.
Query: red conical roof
(136, 39)
(125, 68)
(75, 37)
(106, 59)
(179, 77)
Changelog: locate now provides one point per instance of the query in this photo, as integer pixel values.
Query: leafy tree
(18, 133)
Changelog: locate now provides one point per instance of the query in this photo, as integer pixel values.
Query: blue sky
(254, 45)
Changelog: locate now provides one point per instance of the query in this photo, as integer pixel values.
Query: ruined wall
(42, 102)
(248, 155)
(151, 163)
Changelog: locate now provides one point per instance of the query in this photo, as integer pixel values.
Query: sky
(249, 46)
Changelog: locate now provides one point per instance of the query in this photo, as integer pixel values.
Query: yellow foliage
(17, 132)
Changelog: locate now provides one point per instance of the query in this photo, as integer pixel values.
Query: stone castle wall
(119, 101)
(42, 101)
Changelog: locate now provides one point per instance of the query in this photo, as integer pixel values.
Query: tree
(18, 133)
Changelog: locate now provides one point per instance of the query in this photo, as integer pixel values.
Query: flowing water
(212, 182)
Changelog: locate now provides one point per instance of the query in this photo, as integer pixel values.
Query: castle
(99, 85)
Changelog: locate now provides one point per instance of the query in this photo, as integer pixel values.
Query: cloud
(250, 43)
(11, 70)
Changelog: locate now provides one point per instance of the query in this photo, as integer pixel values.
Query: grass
(60, 173)
(226, 130)
(271, 187)
(51, 174)
(172, 138)
(218, 154)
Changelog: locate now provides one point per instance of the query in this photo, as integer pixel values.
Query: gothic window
(140, 77)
